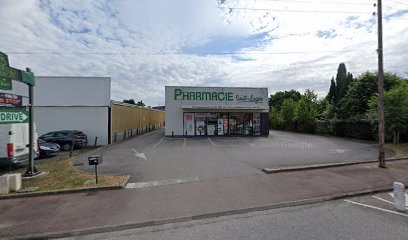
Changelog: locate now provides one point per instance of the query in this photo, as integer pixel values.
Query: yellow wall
(126, 118)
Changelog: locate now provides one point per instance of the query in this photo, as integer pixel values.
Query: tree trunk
(394, 133)
(398, 137)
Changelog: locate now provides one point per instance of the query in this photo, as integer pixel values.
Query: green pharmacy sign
(5, 81)
(8, 73)
(13, 116)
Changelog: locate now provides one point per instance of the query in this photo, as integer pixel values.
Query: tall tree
(341, 82)
(331, 96)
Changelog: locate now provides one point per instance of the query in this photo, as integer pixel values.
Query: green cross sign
(8, 73)
(13, 116)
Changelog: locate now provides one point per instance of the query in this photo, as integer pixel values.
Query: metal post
(31, 170)
(381, 137)
(96, 174)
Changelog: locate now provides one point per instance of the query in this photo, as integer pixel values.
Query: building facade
(216, 111)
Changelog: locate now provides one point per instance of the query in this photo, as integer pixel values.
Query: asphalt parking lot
(153, 159)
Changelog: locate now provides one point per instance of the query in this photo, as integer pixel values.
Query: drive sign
(13, 116)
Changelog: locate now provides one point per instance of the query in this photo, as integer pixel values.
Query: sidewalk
(80, 213)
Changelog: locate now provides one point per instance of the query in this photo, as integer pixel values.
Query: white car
(14, 140)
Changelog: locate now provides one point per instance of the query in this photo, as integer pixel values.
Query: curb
(321, 166)
(122, 227)
(55, 192)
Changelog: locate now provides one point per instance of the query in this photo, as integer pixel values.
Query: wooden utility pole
(381, 133)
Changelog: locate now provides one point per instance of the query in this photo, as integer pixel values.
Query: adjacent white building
(216, 111)
(71, 103)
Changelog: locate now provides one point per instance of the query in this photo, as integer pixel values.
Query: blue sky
(144, 45)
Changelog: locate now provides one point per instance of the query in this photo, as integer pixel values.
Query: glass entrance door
(235, 124)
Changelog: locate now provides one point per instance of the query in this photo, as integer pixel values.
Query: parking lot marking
(160, 183)
(138, 154)
(377, 208)
(384, 200)
(211, 142)
(157, 144)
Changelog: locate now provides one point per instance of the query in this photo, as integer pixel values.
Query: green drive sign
(13, 116)
(179, 94)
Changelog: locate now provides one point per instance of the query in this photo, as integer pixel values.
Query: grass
(62, 176)
(401, 150)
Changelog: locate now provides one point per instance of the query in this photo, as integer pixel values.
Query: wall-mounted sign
(13, 116)
(10, 100)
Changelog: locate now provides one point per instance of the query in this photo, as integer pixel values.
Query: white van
(14, 139)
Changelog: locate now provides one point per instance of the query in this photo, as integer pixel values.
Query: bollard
(172, 133)
(96, 140)
(72, 149)
(399, 196)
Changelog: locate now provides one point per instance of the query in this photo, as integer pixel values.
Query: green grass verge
(401, 150)
(62, 176)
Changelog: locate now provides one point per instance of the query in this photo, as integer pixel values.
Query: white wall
(70, 103)
(67, 91)
(93, 121)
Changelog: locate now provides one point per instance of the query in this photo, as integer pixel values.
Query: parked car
(48, 149)
(66, 138)
(14, 139)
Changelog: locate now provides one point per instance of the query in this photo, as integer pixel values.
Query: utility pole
(381, 133)
(31, 170)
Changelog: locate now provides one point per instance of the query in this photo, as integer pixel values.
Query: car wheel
(66, 147)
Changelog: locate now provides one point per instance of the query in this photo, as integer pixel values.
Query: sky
(144, 45)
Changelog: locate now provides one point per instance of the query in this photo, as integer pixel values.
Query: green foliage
(395, 110)
(341, 82)
(275, 121)
(331, 96)
(277, 99)
(355, 103)
(306, 112)
(287, 114)
(140, 103)
(130, 101)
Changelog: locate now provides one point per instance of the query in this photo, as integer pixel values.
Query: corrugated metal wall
(129, 120)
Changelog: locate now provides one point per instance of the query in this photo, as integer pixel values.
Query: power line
(165, 54)
(320, 2)
(288, 10)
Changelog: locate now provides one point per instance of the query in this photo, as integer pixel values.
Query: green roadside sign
(8, 116)
(8, 73)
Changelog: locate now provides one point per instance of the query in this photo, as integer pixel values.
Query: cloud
(147, 44)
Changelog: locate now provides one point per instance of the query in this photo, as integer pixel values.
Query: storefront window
(235, 124)
(248, 124)
(200, 124)
(212, 124)
(189, 124)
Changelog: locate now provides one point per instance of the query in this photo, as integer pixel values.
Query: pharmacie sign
(228, 96)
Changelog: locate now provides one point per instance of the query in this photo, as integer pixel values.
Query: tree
(395, 110)
(130, 101)
(341, 82)
(355, 103)
(140, 103)
(306, 112)
(287, 114)
(276, 100)
(331, 96)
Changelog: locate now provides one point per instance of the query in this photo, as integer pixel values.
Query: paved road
(191, 159)
(331, 220)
